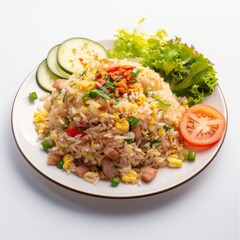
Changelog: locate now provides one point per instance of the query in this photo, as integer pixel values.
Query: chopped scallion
(93, 93)
(63, 126)
(84, 73)
(103, 95)
(115, 100)
(191, 156)
(65, 96)
(86, 95)
(162, 105)
(118, 79)
(32, 96)
(129, 141)
(135, 72)
(146, 91)
(46, 145)
(133, 121)
(155, 143)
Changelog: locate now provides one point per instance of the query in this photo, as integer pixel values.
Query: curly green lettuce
(188, 72)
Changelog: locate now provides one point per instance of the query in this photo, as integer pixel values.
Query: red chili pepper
(74, 132)
(128, 68)
(113, 69)
(116, 68)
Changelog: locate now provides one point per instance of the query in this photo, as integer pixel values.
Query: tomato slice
(202, 125)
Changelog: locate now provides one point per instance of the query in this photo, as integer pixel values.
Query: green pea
(115, 182)
(93, 93)
(166, 127)
(60, 164)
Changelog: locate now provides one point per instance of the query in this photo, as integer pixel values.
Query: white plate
(29, 145)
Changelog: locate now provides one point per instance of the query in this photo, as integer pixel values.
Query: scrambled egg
(91, 177)
(130, 177)
(141, 99)
(161, 132)
(67, 159)
(40, 116)
(133, 108)
(122, 125)
(102, 115)
(54, 136)
(115, 116)
(40, 127)
(176, 122)
(85, 85)
(84, 110)
(154, 113)
(174, 162)
(93, 145)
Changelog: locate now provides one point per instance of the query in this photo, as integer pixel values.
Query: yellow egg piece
(130, 177)
(122, 125)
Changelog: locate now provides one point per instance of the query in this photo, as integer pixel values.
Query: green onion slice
(161, 104)
(46, 145)
(155, 143)
(129, 141)
(133, 121)
(135, 72)
(32, 96)
(191, 156)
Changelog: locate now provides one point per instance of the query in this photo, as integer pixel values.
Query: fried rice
(113, 120)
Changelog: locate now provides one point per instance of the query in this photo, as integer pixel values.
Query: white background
(31, 207)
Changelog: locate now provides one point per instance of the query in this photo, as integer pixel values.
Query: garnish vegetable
(202, 125)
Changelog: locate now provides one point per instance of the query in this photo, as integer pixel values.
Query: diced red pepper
(113, 69)
(74, 132)
(81, 122)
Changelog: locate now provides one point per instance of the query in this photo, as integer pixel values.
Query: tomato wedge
(202, 125)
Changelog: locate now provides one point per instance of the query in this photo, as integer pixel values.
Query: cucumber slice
(45, 77)
(72, 50)
(53, 64)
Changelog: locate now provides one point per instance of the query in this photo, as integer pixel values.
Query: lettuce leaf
(188, 72)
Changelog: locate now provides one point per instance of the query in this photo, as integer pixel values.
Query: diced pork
(81, 170)
(137, 131)
(148, 174)
(111, 153)
(53, 158)
(59, 84)
(107, 168)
